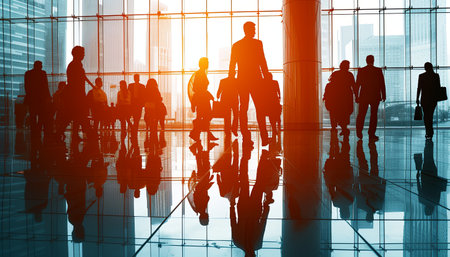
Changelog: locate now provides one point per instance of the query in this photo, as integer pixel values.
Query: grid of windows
(402, 35)
(161, 39)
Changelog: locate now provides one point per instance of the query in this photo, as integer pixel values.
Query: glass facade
(156, 39)
(402, 35)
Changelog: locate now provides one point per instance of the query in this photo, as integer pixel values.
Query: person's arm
(383, 86)
(262, 61)
(419, 90)
(220, 90)
(233, 61)
(47, 90)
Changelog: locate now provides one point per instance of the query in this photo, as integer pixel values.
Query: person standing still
(38, 99)
(248, 54)
(428, 84)
(370, 89)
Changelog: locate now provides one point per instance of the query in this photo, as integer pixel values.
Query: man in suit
(38, 99)
(369, 90)
(248, 54)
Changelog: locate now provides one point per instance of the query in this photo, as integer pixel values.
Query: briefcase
(418, 113)
(441, 94)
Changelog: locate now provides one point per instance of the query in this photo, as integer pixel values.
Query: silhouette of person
(59, 105)
(199, 198)
(98, 103)
(228, 95)
(428, 84)
(248, 226)
(137, 91)
(338, 175)
(201, 102)
(38, 99)
(429, 184)
(76, 103)
(248, 54)
(371, 189)
(227, 168)
(153, 167)
(153, 102)
(370, 89)
(136, 181)
(338, 97)
(124, 108)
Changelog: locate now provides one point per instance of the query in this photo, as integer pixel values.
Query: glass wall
(161, 39)
(402, 35)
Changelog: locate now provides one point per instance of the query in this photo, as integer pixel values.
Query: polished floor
(309, 194)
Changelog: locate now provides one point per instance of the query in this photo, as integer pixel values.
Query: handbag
(418, 113)
(441, 94)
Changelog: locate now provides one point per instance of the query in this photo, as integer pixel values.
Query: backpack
(330, 96)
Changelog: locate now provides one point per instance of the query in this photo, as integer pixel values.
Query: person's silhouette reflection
(249, 224)
(227, 167)
(153, 166)
(371, 188)
(338, 174)
(123, 168)
(199, 198)
(37, 181)
(136, 181)
(429, 184)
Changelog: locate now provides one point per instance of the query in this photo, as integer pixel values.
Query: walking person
(76, 102)
(38, 99)
(428, 84)
(153, 101)
(201, 102)
(98, 103)
(369, 90)
(248, 54)
(137, 91)
(338, 97)
(124, 108)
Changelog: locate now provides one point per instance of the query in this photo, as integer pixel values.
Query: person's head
(151, 83)
(136, 78)
(78, 53)
(370, 60)
(137, 193)
(428, 67)
(61, 85)
(37, 65)
(249, 29)
(203, 63)
(345, 65)
(123, 85)
(98, 82)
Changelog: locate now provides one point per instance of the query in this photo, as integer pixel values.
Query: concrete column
(302, 64)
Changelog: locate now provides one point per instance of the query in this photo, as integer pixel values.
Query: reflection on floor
(311, 194)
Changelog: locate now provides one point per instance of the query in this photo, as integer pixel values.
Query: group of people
(368, 90)
(253, 79)
(70, 103)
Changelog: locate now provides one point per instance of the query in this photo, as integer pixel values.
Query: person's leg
(261, 114)
(273, 124)
(244, 97)
(428, 111)
(373, 119)
(162, 123)
(333, 121)
(34, 123)
(362, 110)
(227, 120)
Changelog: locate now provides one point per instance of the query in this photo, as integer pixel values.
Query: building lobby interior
(309, 192)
